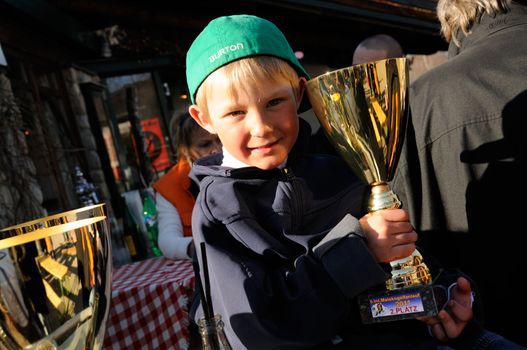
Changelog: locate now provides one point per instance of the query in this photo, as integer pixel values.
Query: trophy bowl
(55, 280)
(363, 110)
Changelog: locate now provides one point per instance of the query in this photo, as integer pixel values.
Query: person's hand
(389, 234)
(449, 323)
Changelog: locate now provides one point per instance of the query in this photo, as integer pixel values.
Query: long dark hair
(182, 127)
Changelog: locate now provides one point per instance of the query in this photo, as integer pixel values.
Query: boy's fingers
(463, 284)
(394, 214)
(449, 325)
(429, 320)
(462, 293)
(402, 227)
(404, 238)
(439, 332)
(461, 312)
(402, 251)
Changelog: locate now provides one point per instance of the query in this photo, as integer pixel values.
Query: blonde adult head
(460, 15)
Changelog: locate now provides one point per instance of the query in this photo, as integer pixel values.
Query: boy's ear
(200, 118)
(301, 90)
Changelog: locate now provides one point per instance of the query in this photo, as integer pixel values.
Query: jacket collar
(488, 25)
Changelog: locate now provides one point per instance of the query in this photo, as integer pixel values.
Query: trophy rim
(70, 253)
(352, 67)
(51, 217)
(23, 238)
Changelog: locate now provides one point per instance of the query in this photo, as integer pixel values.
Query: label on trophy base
(400, 304)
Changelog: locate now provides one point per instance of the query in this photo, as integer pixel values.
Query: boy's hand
(389, 234)
(449, 324)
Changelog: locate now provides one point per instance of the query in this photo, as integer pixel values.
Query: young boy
(286, 256)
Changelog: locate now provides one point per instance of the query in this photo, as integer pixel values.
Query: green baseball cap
(230, 38)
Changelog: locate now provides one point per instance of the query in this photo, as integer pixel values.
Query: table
(149, 307)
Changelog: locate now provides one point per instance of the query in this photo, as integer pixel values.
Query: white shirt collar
(230, 161)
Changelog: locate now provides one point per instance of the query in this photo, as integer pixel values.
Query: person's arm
(277, 280)
(268, 300)
(171, 241)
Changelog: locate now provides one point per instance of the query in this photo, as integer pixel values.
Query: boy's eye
(274, 102)
(205, 144)
(235, 113)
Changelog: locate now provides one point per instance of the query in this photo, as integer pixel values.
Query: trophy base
(401, 304)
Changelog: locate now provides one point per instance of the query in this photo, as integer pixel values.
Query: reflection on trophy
(363, 110)
(55, 280)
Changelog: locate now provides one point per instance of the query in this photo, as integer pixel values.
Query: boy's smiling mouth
(265, 147)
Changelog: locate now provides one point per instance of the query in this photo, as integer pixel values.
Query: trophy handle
(409, 271)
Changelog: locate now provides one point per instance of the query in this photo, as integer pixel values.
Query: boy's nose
(258, 124)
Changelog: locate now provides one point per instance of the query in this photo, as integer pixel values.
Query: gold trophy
(55, 280)
(363, 110)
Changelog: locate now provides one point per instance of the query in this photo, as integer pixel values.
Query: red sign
(155, 141)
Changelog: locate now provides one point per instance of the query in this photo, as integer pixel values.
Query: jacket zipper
(296, 196)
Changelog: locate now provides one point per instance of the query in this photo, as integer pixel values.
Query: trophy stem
(382, 197)
(409, 271)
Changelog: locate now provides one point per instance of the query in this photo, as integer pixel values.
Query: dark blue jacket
(286, 255)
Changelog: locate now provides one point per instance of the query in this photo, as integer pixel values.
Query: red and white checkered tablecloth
(149, 308)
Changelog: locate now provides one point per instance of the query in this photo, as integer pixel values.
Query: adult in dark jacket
(460, 172)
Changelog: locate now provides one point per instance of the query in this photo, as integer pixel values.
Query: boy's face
(258, 125)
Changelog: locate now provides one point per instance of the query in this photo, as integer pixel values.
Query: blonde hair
(456, 15)
(246, 71)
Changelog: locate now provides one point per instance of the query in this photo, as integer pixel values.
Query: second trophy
(363, 110)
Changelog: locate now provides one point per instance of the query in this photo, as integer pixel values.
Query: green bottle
(133, 237)
(150, 215)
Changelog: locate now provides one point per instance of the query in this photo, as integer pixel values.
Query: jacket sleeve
(349, 262)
